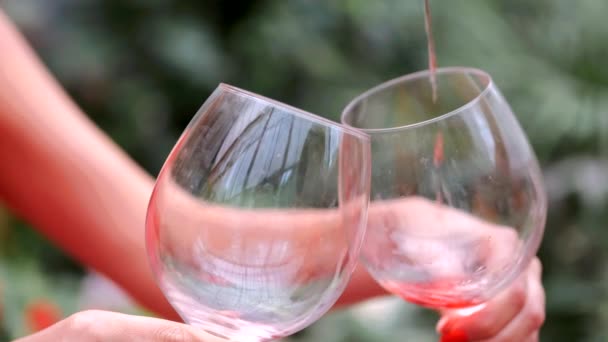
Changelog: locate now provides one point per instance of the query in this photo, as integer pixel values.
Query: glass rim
(297, 112)
(412, 76)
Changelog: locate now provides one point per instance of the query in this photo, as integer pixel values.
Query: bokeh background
(141, 69)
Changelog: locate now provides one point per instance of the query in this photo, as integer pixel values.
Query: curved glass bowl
(257, 216)
(457, 201)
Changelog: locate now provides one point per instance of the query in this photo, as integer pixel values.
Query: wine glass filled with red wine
(457, 207)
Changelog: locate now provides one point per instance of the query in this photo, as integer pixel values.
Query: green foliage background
(141, 69)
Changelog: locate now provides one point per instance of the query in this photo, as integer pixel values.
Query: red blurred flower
(41, 314)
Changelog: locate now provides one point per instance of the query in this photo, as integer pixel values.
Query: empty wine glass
(257, 217)
(457, 206)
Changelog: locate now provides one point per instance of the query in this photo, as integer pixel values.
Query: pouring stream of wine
(428, 26)
(438, 151)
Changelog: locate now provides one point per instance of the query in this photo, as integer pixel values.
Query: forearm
(316, 237)
(68, 179)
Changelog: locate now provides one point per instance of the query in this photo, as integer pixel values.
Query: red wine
(437, 162)
(435, 295)
(428, 26)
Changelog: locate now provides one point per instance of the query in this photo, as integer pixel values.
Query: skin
(59, 172)
(95, 325)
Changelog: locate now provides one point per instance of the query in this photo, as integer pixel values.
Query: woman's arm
(77, 187)
(67, 178)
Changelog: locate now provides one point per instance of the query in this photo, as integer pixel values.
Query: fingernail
(454, 336)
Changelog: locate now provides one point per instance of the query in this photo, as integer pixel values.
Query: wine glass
(457, 206)
(257, 217)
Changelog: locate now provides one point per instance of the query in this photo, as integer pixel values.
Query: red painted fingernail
(454, 336)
